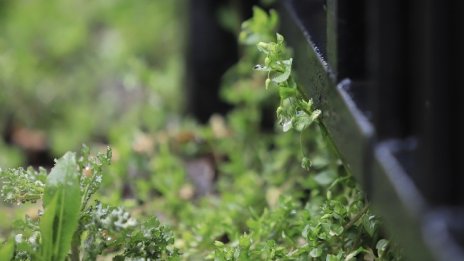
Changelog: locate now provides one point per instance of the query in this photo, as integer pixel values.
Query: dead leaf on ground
(218, 125)
(143, 143)
(29, 139)
(201, 173)
(187, 192)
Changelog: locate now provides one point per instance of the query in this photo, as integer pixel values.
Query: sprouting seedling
(295, 110)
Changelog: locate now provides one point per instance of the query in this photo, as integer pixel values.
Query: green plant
(69, 227)
(335, 223)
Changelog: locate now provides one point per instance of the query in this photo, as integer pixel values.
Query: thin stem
(30, 197)
(301, 145)
(301, 92)
(357, 217)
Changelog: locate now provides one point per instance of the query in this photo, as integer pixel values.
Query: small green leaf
(264, 47)
(370, 224)
(306, 231)
(319, 162)
(332, 258)
(335, 230)
(245, 241)
(267, 61)
(280, 38)
(315, 114)
(316, 252)
(237, 253)
(218, 243)
(283, 76)
(352, 255)
(307, 105)
(382, 246)
(339, 208)
(287, 125)
(259, 15)
(301, 121)
(325, 177)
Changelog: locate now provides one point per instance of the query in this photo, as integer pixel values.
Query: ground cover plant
(70, 226)
(229, 190)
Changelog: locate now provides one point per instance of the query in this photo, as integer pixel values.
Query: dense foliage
(229, 190)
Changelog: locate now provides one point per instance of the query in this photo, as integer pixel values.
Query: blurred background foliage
(95, 72)
(73, 72)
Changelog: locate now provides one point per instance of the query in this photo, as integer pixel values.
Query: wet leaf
(62, 202)
(280, 77)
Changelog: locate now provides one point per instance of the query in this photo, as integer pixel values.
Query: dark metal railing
(386, 76)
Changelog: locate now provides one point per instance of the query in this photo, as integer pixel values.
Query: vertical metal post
(211, 50)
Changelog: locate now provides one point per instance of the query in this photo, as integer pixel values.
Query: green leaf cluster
(295, 110)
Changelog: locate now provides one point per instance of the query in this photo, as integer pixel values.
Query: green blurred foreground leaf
(62, 202)
(7, 250)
